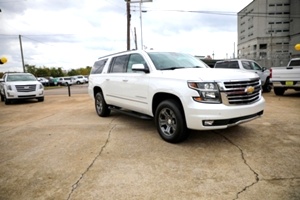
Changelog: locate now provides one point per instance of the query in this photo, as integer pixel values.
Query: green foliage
(55, 72)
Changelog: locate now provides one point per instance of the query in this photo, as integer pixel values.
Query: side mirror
(140, 67)
(263, 69)
(1, 80)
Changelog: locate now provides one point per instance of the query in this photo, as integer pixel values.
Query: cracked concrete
(74, 186)
(245, 161)
(61, 149)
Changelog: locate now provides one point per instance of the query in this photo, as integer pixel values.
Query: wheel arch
(161, 96)
(96, 90)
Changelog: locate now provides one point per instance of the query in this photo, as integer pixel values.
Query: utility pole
(135, 40)
(20, 39)
(128, 23)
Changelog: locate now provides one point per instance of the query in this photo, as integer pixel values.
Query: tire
(170, 121)
(279, 91)
(6, 101)
(267, 86)
(101, 106)
(2, 98)
(40, 99)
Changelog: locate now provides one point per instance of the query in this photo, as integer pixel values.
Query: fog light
(208, 122)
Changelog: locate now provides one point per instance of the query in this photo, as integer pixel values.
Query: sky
(73, 34)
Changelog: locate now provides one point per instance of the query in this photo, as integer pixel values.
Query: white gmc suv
(179, 91)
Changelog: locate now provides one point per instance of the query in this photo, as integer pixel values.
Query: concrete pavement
(60, 149)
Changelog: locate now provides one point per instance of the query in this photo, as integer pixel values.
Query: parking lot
(61, 149)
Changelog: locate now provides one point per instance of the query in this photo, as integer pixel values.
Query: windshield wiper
(172, 68)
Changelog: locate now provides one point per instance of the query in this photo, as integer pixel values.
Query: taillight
(271, 73)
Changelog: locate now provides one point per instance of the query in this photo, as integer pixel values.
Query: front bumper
(201, 116)
(10, 94)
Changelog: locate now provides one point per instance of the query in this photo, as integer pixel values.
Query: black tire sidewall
(181, 132)
(105, 111)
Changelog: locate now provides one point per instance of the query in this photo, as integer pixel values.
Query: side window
(135, 59)
(247, 65)
(119, 64)
(98, 66)
(256, 66)
(233, 65)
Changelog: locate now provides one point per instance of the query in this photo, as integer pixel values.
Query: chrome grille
(26, 88)
(241, 92)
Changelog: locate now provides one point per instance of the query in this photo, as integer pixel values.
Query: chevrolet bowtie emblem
(249, 90)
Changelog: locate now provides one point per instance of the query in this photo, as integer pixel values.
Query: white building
(268, 31)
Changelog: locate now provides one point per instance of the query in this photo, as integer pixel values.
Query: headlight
(9, 87)
(41, 86)
(208, 92)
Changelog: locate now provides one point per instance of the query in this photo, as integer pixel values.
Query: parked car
(53, 81)
(177, 90)
(43, 80)
(248, 65)
(79, 79)
(64, 81)
(284, 78)
(16, 86)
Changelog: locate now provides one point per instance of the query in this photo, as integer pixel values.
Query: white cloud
(74, 33)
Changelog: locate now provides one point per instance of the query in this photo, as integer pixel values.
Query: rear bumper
(286, 84)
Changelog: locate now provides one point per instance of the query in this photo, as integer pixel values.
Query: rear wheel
(279, 91)
(170, 121)
(101, 106)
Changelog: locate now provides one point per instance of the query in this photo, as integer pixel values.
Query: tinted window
(118, 64)
(256, 66)
(135, 59)
(98, 66)
(295, 63)
(247, 65)
(228, 65)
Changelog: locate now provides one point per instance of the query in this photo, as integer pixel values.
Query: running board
(130, 113)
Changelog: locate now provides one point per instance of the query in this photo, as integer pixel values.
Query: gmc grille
(26, 88)
(241, 92)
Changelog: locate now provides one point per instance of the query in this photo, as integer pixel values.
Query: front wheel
(279, 91)
(170, 121)
(267, 86)
(101, 106)
(6, 101)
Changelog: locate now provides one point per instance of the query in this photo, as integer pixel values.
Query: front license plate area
(289, 83)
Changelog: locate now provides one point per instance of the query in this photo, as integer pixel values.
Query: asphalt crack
(245, 161)
(75, 185)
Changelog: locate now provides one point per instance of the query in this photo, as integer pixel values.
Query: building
(268, 31)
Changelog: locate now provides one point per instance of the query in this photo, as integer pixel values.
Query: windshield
(171, 60)
(20, 77)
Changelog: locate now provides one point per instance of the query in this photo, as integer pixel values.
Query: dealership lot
(61, 149)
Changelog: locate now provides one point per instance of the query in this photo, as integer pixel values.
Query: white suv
(14, 86)
(179, 91)
(64, 81)
(79, 79)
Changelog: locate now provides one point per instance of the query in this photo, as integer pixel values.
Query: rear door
(114, 81)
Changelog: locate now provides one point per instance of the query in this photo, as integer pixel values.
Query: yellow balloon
(297, 47)
(3, 60)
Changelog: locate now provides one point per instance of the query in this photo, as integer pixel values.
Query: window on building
(263, 46)
(254, 47)
(262, 54)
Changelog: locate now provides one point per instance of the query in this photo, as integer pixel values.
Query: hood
(24, 83)
(210, 74)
